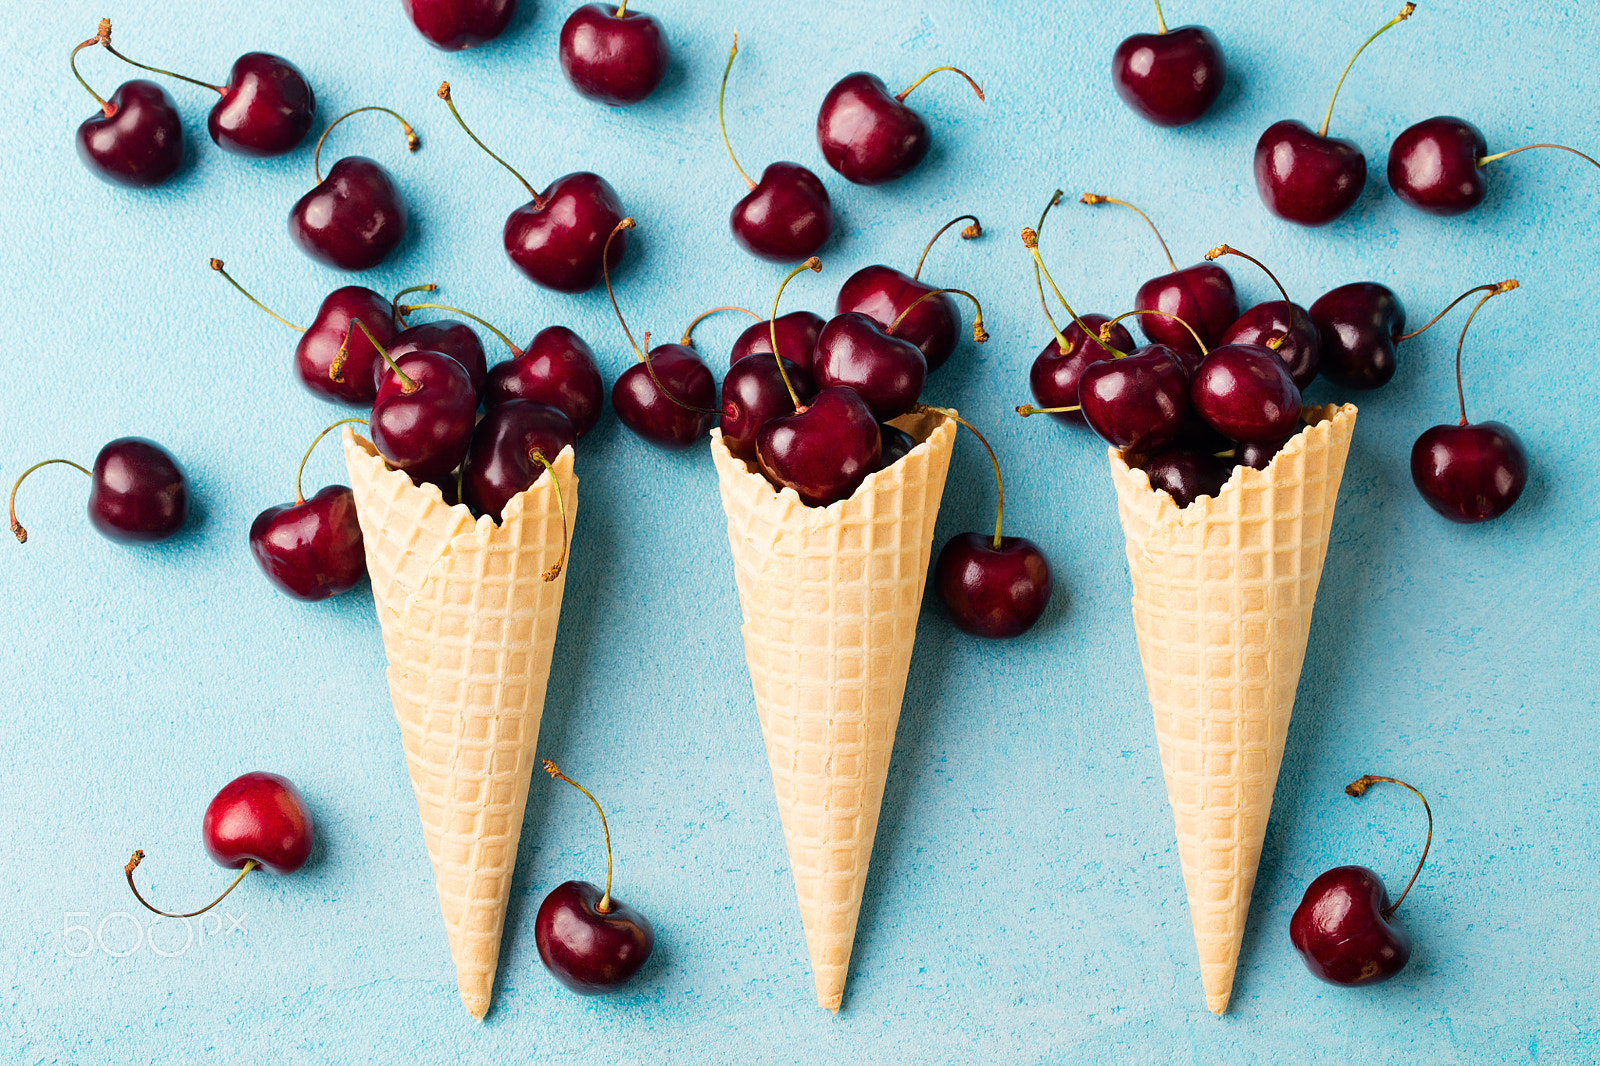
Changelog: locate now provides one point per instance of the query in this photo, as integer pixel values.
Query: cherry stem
(554, 571)
(1038, 282)
(299, 497)
(967, 233)
(103, 32)
(1105, 330)
(622, 9)
(722, 125)
(216, 264)
(815, 265)
(444, 94)
(1461, 396)
(688, 331)
(1405, 13)
(604, 906)
(1486, 160)
(406, 309)
(903, 93)
(138, 857)
(1358, 788)
(1223, 249)
(650, 368)
(407, 385)
(979, 334)
(394, 302)
(1027, 410)
(1161, 20)
(999, 482)
(1030, 240)
(1501, 286)
(104, 37)
(413, 142)
(1097, 198)
(16, 527)
(605, 270)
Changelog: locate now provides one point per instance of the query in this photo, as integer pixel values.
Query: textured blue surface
(1025, 902)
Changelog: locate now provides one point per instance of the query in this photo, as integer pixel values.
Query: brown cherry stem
(1405, 13)
(1461, 396)
(104, 32)
(444, 94)
(407, 385)
(688, 331)
(605, 270)
(815, 266)
(999, 482)
(1098, 198)
(721, 124)
(299, 497)
(1105, 330)
(1223, 249)
(394, 302)
(216, 264)
(413, 142)
(1498, 286)
(1358, 788)
(604, 906)
(138, 857)
(1161, 20)
(969, 232)
(903, 93)
(1030, 241)
(554, 570)
(979, 334)
(1486, 160)
(104, 37)
(1038, 282)
(1027, 410)
(17, 528)
(406, 309)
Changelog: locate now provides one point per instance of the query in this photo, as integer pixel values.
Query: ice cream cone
(830, 597)
(468, 628)
(1222, 598)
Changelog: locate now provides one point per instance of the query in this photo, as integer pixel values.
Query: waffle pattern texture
(469, 625)
(830, 597)
(1222, 599)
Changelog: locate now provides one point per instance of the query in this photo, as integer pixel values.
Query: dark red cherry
(1470, 473)
(558, 368)
(1201, 295)
(1137, 403)
(138, 493)
(556, 238)
(992, 592)
(332, 333)
(797, 338)
(1186, 475)
(456, 24)
(258, 817)
(1436, 166)
(668, 423)
(824, 450)
(1244, 392)
(311, 549)
(1358, 325)
(868, 134)
(1056, 373)
(137, 139)
(886, 370)
(1301, 350)
(456, 339)
(786, 215)
(353, 218)
(589, 952)
(1257, 456)
(754, 393)
(266, 108)
(894, 445)
(422, 423)
(883, 294)
(501, 461)
(1171, 77)
(613, 55)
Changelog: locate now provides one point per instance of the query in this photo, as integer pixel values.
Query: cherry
(825, 450)
(1139, 402)
(1257, 456)
(1281, 325)
(588, 940)
(1344, 928)
(786, 215)
(1358, 325)
(1186, 474)
(1245, 393)
(356, 216)
(754, 393)
(559, 238)
(996, 586)
(613, 55)
(884, 294)
(311, 549)
(1437, 165)
(513, 446)
(885, 368)
(1171, 77)
(257, 819)
(456, 24)
(797, 338)
(1200, 297)
(557, 367)
(423, 416)
(869, 136)
(455, 339)
(894, 445)
(137, 139)
(138, 494)
(1312, 178)
(1470, 472)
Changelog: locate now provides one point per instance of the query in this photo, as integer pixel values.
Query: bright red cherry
(355, 217)
(513, 446)
(456, 24)
(1312, 178)
(613, 55)
(138, 494)
(869, 136)
(1344, 928)
(1171, 77)
(311, 549)
(557, 367)
(884, 294)
(424, 414)
(1438, 165)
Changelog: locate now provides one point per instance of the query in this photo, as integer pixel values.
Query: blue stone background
(1025, 903)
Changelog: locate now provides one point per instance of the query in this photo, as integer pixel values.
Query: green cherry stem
(394, 302)
(1358, 788)
(1486, 160)
(1161, 20)
(1027, 410)
(1497, 287)
(217, 265)
(688, 331)
(605, 270)
(138, 857)
(104, 37)
(407, 385)
(622, 9)
(444, 94)
(103, 33)
(604, 906)
(1030, 241)
(903, 93)
(999, 482)
(1461, 396)
(1099, 198)
(1405, 13)
(299, 497)
(1105, 330)
(1038, 283)
(969, 232)
(1223, 249)
(815, 266)
(723, 125)
(554, 570)
(979, 334)
(406, 309)
(16, 527)
(413, 142)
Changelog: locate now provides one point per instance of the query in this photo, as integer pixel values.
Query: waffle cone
(1222, 598)
(468, 629)
(830, 597)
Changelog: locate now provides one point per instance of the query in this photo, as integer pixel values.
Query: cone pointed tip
(1218, 1003)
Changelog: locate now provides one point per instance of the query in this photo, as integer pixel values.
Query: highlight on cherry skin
(257, 820)
(138, 492)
